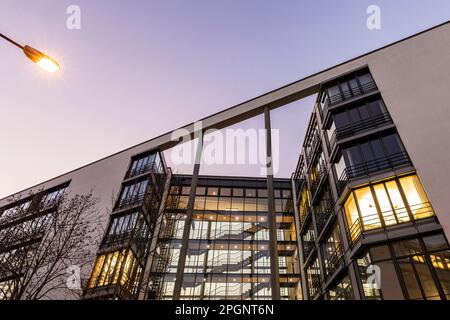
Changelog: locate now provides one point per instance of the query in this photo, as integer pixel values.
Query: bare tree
(41, 244)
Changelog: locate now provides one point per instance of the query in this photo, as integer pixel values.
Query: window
(374, 155)
(342, 290)
(15, 211)
(133, 192)
(50, 199)
(313, 278)
(114, 267)
(421, 266)
(353, 85)
(144, 163)
(416, 197)
(332, 250)
(361, 206)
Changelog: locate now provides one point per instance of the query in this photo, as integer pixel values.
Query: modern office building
(364, 215)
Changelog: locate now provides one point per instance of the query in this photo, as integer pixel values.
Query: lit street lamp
(41, 59)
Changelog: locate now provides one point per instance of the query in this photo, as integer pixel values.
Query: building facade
(364, 215)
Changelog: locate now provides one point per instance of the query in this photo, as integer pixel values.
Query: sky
(137, 69)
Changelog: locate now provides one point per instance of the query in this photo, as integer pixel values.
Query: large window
(374, 155)
(342, 290)
(147, 162)
(52, 198)
(421, 266)
(386, 203)
(15, 211)
(116, 267)
(349, 87)
(332, 250)
(132, 193)
(359, 117)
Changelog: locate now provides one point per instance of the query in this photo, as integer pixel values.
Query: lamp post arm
(11, 40)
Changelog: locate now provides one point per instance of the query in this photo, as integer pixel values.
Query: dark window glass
(377, 149)
(354, 115)
(407, 247)
(379, 253)
(364, 112)
(425, 278)
(435, 242)
(392, 144)
(354, 87)
(341, 119)
(410, 279)
(367, 152)
(365, 79)
(353, 156)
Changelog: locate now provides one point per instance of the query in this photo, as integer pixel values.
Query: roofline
(236, 106)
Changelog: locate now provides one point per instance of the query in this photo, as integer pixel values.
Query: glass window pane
(435, 242)
(368, 210)
(410, 279)
(392, 144)
(238, 192)
(441, 264)
(416, 197)
(390, 286)
(225, 191)
(397, 201)
(385, 205)
(428, 285)
(407, 247)
(250, 192)
(213, 191)
(351, 213)
(379, 253)
(211, 203)
(262, 193)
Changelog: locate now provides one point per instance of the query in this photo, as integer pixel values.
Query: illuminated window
(112, 268)
(362, 212)
(416, 197)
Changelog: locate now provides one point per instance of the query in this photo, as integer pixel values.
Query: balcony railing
(358, 127)
(149, 167)
(351, 93)
(308, 247)
(310, 150)
(131, 201)
(388, 218)
(334, 260)
(321, 174)
(304, 214)
(323, 214)
(370, 167)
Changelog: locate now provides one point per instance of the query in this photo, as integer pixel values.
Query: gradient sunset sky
(138, 69)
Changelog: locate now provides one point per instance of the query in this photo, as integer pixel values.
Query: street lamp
(41, 59)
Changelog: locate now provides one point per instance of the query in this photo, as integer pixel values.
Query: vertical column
(299, 241)
(188, 221)
(273, 250)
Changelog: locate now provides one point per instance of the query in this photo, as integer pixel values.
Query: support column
(273, 250)
(188, 221)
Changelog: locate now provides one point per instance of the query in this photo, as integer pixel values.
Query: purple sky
(138, 69)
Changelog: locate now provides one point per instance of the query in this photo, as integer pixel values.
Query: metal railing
(370, 167)
(351, 93)
(321, 173)
(358, 127)
(334, 260)
(323, 214)
(304, 214)
(388, 218)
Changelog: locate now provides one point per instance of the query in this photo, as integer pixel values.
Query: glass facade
(228, 248)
